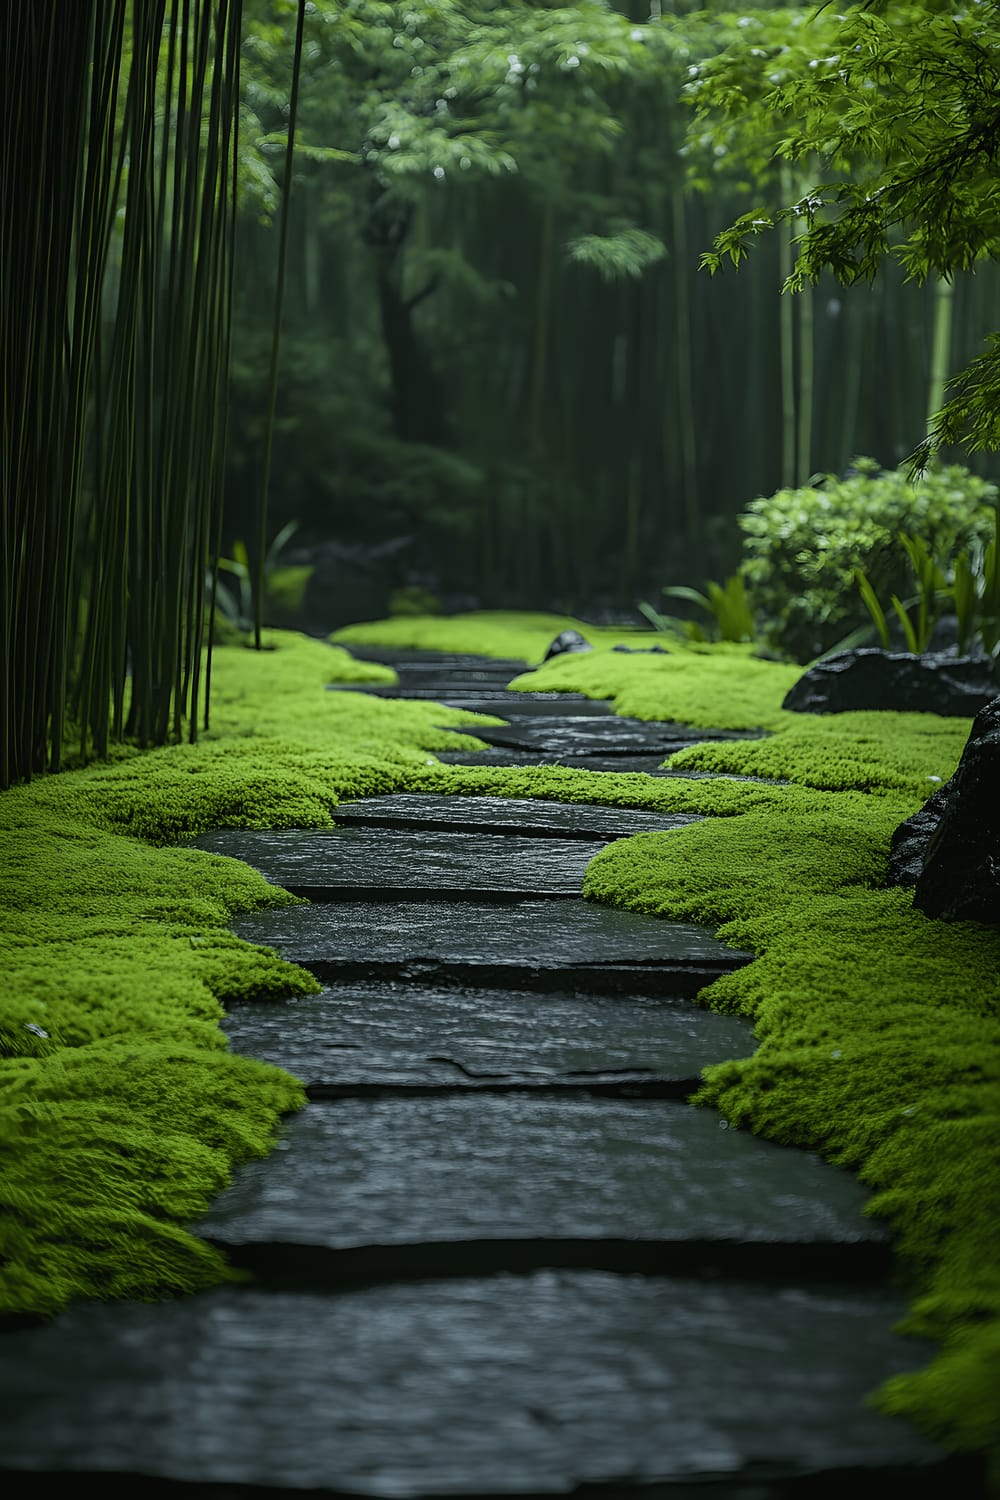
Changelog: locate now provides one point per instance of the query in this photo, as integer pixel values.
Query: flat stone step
(645, 765)
(546, 945)
(408, 864)
(627, 760)
(289, 1265)
(508, 1385)
(399, 1034)
(489, 700)
(594, 1086)
(441, 662)
(612, 736)
(457, 1168)
(523, 816)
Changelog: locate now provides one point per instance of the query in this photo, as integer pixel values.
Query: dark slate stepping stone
(511, 1385)
(525, 816)
(647, 765)
(611, 735)
(530, 944)
(438, 661)
(464, 1168)
(406, 1034)
(408, 864)
(488, 700)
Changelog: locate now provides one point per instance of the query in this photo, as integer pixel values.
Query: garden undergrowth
(125, 1113)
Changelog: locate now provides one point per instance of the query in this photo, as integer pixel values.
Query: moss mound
(879, 1047)
(497, 633)
(123, 1111)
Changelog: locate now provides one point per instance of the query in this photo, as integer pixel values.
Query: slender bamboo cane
(944, 302)
(276, 328)
(786, 315)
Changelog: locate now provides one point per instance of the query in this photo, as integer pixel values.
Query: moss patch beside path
(123, 1112)
(497, 633)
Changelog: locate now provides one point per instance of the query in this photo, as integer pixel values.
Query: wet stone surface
(489, 700)
(406, 1033)
(645, 765)
(571, 737)
(527, 817)
(394, 1171)
(557, 943)
(446, 664)
(345, 861)
(498, 1385)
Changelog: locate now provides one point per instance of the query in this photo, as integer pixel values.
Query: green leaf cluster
(890, 112)
(725, 604)
(803, 547)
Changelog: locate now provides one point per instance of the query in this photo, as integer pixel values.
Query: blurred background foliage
(504, 379)
(507, 377)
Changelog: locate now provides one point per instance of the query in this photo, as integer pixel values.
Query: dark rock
(567, 640)
(910, 840)
(960, 878)
(642, 650)
(870, 678)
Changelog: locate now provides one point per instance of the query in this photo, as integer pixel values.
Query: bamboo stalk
(276, 327)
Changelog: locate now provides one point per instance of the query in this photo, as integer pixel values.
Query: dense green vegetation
(501, 374)
(500, 355)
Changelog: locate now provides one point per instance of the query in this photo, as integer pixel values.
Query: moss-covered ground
(123, 1112)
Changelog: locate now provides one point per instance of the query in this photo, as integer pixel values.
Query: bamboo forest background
(501, 376)
(517, 387)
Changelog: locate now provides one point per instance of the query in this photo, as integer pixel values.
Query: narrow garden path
(498, 1252)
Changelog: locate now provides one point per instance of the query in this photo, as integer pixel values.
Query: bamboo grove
(500, 349)
(503, 377)
(118, 163)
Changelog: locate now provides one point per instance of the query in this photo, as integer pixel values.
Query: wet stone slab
(524, 816)
(489, 700)
(550, 944)
(441, 662)
(645, 765)
(571, 737)
(465, 1168)
(414, 660)
(406, 1033)
(501, 1386)
(408, 863)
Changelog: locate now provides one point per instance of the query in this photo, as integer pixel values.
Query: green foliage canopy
(898, 106)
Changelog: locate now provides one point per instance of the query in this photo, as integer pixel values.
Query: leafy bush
(803, 547)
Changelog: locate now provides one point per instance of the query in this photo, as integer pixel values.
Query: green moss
(498, 633)
(719, 686)
(124, 1112)
(842, 751)
(878, 1046)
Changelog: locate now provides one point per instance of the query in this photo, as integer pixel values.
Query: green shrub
(803, 547)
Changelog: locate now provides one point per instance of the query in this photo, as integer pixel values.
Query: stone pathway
(498, 1253)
